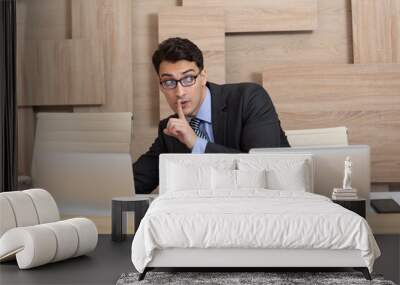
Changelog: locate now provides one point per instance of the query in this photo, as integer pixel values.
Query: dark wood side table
(358, 206)
(121, 205)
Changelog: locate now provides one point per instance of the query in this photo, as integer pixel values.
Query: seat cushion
(33, 246)
(46, 207)
(27, 208)
(40, 244)
(23, 208)
(7, 215)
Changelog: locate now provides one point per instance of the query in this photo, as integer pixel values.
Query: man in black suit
(209, 118)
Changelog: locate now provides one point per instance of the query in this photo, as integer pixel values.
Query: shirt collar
(204, 112)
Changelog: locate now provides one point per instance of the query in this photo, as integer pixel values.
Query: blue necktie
(195, 124)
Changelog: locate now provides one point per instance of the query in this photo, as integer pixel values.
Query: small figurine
(347, 174)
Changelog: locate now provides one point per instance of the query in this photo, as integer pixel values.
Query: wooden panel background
(363, 97)
(110, 21)
(264, 16)
(25, 115)
(248, 55)
(380, 42)
(129, 32)
(47, 19)
(63, 72)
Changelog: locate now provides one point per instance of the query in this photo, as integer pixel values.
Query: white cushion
(34, 244)
(292, 178)
(27, 208)
(282, 174)
(177, 171)
(46, 207)
(183, 177)
(23, 208)
(41, 244)
(228, 179)
(67, 239)
(7, 218)
(223, 179)
(87, 233)
(251, 178)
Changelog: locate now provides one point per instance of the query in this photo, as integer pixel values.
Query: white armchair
(31, 230)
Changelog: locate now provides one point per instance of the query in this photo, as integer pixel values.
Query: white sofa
(31, 230)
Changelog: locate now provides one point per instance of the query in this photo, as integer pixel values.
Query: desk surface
(102, 266)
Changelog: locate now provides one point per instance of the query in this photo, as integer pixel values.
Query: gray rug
(243, 278)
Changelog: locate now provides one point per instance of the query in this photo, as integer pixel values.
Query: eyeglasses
(184, 81)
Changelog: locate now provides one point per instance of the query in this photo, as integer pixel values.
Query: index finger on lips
(181, 115)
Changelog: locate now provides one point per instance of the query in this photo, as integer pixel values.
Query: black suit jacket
(243, 117)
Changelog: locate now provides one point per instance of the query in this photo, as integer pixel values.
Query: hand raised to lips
(180, 128)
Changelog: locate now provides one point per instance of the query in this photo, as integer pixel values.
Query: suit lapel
(218, 112)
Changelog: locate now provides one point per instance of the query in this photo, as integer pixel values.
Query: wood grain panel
(84, 16)
(247, 55)
(21, 35)
(364, 98)
(26, 131)
(376, 31)
(25, 116)
(110, 21)
(206, 28)
(264, 15)
(63, 72)
(48, 19)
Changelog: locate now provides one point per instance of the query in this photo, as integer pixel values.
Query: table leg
(118, 224)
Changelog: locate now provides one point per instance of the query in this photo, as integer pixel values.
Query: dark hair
(175, 49)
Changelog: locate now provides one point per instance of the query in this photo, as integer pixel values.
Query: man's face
(192, 96)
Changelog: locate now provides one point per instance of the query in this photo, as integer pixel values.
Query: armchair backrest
(318, 137)
(26, 208)
(83, 160)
